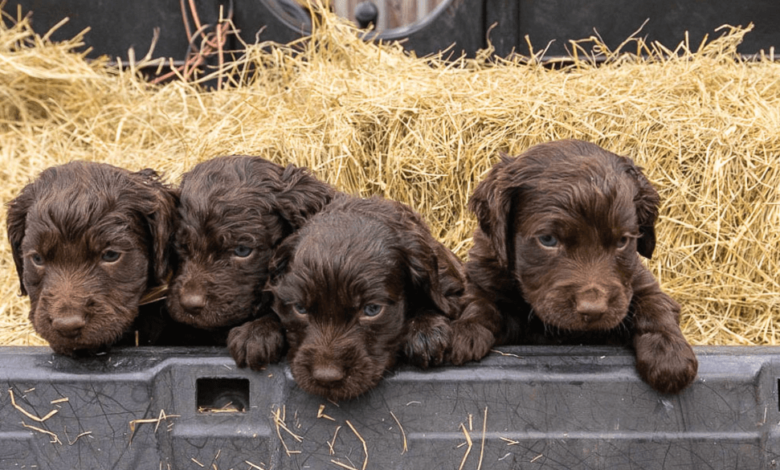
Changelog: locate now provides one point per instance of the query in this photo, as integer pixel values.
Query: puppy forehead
(75, 212)
(348, 252)
(228, 181)
(576, 192)
(227, 211)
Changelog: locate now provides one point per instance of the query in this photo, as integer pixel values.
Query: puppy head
(565, 219)
(344, 286)
(88, 239)
(234, 211)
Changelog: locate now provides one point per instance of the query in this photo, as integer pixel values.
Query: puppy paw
(470, 341)
(666, 364)
(427, 340)
(256, 343)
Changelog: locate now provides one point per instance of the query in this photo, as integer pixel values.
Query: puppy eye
(622, 243)
(242, 251)
(300, 309)
(547, 240)
(372, 310)
(110, 256)
(37, 259)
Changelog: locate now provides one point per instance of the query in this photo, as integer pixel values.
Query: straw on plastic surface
(371, 119)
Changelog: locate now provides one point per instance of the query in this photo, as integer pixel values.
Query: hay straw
(371, 119)
(403, 433)
(362, 441)
(321, 414)
(160, 418)
(279, 416)
(55, 438)
(482, 446)
(27, 413)
(333, 441)
(468, 449)
(85, 433)
(342, 465)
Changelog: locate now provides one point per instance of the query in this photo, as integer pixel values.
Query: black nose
(327, 373)
(192, 302)
(68, 326)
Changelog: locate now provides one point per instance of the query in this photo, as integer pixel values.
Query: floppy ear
(492, 203)
(161, 218)
(646, 201)
(16, 220)
(281, 258)
(300, 196)
(433, 275)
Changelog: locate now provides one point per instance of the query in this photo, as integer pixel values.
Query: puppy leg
(664, 359)
(472, 333)
(257, 343)
(427, 339)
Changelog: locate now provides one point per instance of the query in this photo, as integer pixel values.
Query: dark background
(117, 25)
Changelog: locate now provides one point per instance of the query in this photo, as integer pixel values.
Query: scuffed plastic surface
(546, 407)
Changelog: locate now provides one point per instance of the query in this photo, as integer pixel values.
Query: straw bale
(371, 119)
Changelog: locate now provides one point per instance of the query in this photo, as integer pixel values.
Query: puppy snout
(192, 302)
(327, 374)
(592, 304)
(70, 325)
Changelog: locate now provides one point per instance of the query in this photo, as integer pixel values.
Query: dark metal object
(547, 407)
(366, 14)
(464, 25)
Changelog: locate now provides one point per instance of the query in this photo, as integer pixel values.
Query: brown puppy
(88, 240)
(234, 211)
(361, 282)
(554, 262)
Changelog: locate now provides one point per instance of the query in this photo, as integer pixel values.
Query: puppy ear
(281, 258)
(16, 220)
(492, 203)
(300, 196)
(646, 201)
(432, 273)
(160, 215)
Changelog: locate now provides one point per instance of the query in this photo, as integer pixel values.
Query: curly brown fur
(88, 239)
(234, 212)
(554, 262)
(361, 283)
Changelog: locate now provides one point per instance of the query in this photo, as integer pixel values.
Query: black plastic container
(546, 407)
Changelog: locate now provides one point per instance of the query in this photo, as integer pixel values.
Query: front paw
(256, 343)
(427, 340)
(470, 341)
(666, 364)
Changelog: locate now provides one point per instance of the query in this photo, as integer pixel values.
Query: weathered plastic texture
(529, 407)
(455, 25)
